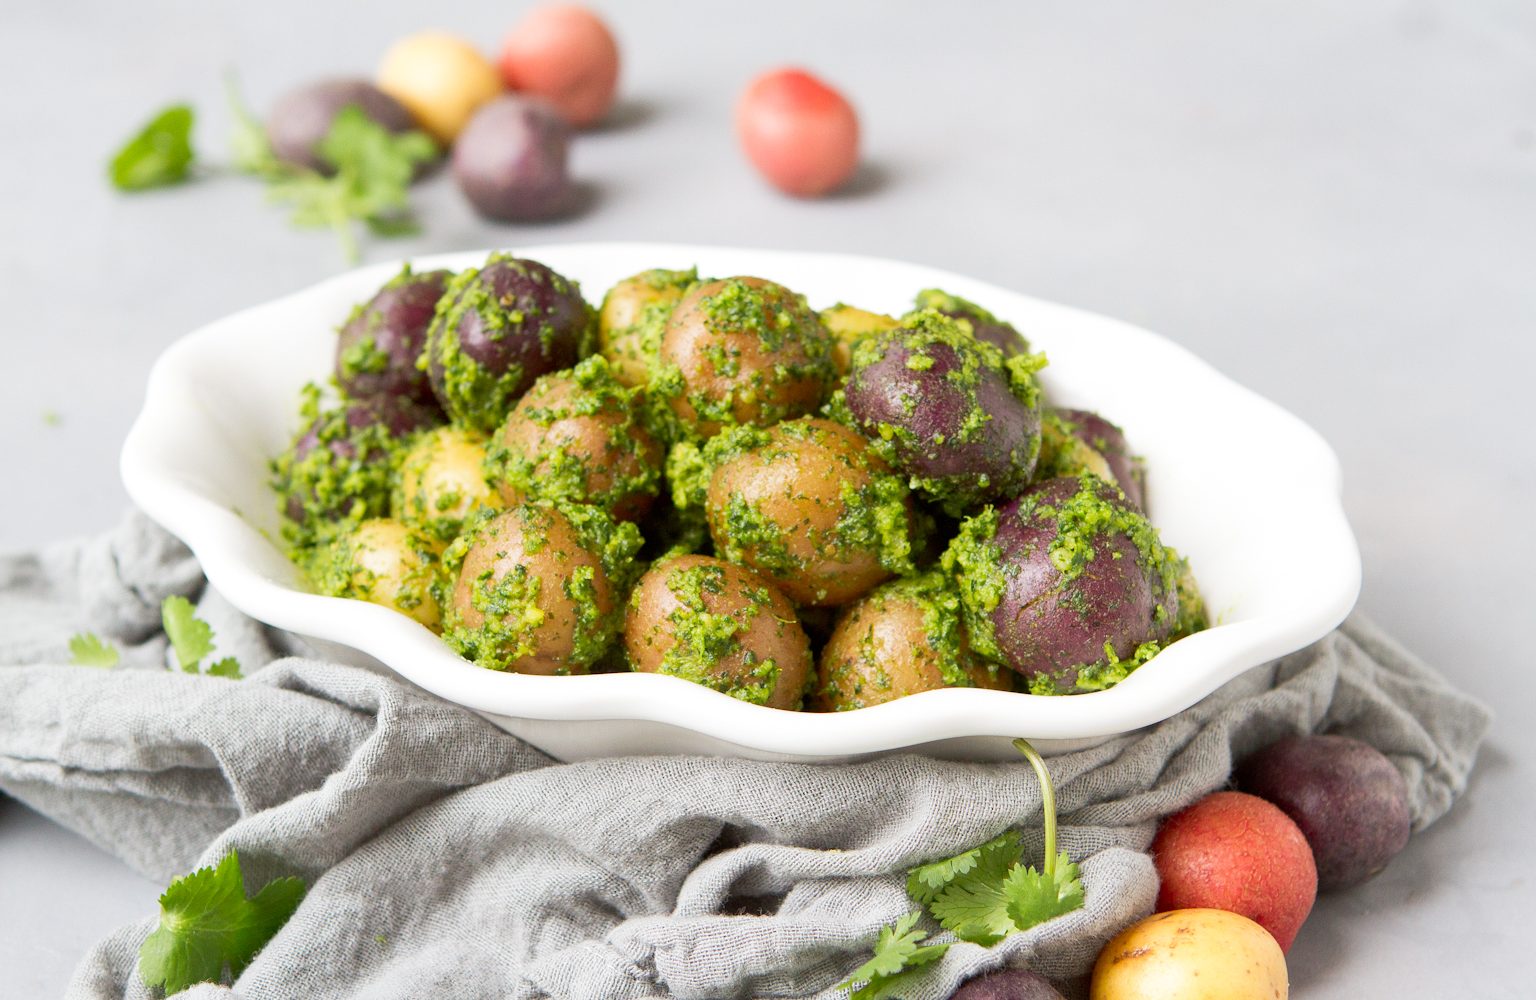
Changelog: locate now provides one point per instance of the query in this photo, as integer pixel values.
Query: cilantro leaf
(158, 155)
(249, 146)
(190, 636)
(373, 172)
(227, 667)
(87, 650)
(975, 907)
(209, 929)
(899, 953)
(1033, 897)
(926, 882)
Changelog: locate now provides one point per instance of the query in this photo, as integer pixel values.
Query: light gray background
(1333, 203)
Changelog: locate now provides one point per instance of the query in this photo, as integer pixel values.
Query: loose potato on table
(720, 625)
(805, 503)
(1196, 954)
(742, 351)
(442, 481)
(498, 328)
(577, 436)
(947, 411)
(538, 589)
(633, 317)
(384, 562)
(302, 118)
(903, 638)
(441, 78)
(510, 161)
(1068, 584)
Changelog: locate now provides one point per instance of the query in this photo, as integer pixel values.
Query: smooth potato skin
(796, 483)
(730, 370)
(510, 540)
(440, 78)
(442, 481)
(380, 562)
(882, 649)
(1191, 954)
(769, 631)
(510, 161)
(1007, 984)
(1237, 852)
(1350, 802)
(1109, 441)
(640, 299)
(378, 345)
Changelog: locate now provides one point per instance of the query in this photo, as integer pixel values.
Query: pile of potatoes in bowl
(706, 477)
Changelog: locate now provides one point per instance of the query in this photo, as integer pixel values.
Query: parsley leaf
(209, 929)
(190, 636)
(160, 154)
(926, 882)
(192, 639)
(87, 650)
(373, 172)
(899, 953)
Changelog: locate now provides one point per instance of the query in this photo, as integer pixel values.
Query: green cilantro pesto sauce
(975, 563)
(339, 569)
(965, 311)
(565, 470)
(708, 648)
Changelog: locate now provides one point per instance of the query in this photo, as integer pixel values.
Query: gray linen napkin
(446, 857)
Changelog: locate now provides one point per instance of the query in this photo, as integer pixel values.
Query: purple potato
(944, 412)
(338, 470)
(301, 119)
(498, 329)
(982, 324)
(510, 161)
(1060, 578)
(380, 342)
(1108, 440)
(1007, 984)
(1349, 800)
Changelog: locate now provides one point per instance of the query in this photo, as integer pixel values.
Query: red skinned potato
(1233, 851)
(1350, 802)
(510, 161)
(566, 55)
(800, 134)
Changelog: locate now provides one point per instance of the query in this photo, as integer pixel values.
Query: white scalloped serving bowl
(1247, 491)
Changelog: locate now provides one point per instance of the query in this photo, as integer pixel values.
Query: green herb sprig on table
(192, 639)
(158, 155)
(86, 649)
(981, 895)
(209, 930)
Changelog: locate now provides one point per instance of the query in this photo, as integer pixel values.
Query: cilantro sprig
(191, 639)
(981, 895)
(86, 649)
(209, 930)
(158, 155)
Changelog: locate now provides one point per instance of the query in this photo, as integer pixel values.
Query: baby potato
(442, 481)
(382, 561)
(742, 351)
(577, 436)
(720, 625)
(848, 326)
(377, 347)
(632, 317)
(440, 78)
(800, 133)
(1197, 954)
(302, 118)
(538, 589)
(566, 55)
(975, 320)
(808, 504)
(510, 160)
(903, 638)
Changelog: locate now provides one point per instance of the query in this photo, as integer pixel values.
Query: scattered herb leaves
(192, 639)
(899, 952)
(210, 930)
(88, 650)
(159, 155)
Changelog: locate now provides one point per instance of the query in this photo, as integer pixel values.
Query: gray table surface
(1335, 204)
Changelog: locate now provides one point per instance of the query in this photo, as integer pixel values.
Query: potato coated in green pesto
(385, 562)
(946, 410)
(633, 317)
(442, 482)
(719, 625)
(848, 325)
(577, 436)
(974, 319)
(498, 328)
(805, 503)
(537, 588)
(903, 637)
(1069, 585)
(740, 351)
